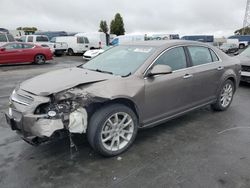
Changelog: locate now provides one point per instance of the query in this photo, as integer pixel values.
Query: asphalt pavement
(200, 149)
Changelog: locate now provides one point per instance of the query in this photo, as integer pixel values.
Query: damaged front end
(39, 119)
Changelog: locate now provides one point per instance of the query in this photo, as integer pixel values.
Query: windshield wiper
(127, 75)
(102, 71)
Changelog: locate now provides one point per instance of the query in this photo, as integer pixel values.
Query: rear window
(3, 38)
(10, 38)
(42, 39)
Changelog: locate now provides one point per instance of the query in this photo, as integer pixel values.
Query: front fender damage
(67, 110)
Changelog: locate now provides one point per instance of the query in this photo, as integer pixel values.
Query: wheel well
(242, 44)
(95, 106)
(233, 80)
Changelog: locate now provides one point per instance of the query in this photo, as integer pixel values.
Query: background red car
(18, 52)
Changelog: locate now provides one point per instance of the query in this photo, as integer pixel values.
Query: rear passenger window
(214, 56)
(30, 38)
(175, 58)
(200, 55)
(28, 46)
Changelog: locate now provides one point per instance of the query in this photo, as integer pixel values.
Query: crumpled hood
(59, 80)
(244, 60)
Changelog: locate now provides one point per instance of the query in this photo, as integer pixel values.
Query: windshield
(246, 52)
(120, 60)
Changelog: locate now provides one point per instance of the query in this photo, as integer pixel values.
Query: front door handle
(220, 68)
(187, 76)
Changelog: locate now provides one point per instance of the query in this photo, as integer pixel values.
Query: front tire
(225, 96)
(70, 52)
(112, 129)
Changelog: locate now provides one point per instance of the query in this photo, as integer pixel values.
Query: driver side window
(175, 58)
(13, 46)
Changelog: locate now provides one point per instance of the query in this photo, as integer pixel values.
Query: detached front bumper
(40, 127)
(32, 129)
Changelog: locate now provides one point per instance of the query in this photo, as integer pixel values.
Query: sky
(183, 17)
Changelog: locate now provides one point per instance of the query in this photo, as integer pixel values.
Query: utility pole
(246, 22)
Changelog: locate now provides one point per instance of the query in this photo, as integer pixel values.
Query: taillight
(100, 44)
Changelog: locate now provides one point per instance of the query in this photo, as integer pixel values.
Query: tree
(117, 25)
(243, 31)
(103, 27)
(27, 30)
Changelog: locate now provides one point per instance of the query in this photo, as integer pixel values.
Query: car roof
(163, 43)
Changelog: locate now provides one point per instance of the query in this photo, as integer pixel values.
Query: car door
(206, 70)
(167, 95)
(81, 44)
(11, 53)
(28, 54)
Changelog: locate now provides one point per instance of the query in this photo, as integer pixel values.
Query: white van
(96, 39)
(127, 38)
(76, 44)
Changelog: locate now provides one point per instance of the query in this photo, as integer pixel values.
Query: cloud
(159, 16)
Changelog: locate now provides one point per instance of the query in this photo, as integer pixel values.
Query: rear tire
(39, 59)
(225, 96)
(112, 129)
(70, 52)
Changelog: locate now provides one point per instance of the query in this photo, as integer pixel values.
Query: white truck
(76, 44)
(234, 41)
(57, 48)
(97, 40)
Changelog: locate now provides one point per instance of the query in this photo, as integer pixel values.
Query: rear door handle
(220, 68)
(187, 76)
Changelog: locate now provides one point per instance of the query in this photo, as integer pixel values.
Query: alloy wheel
(226, 95)
(117, 131)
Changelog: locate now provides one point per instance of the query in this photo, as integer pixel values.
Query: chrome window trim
(182, 45)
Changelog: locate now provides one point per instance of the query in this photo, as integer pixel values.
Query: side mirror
(2, 49)
(160, 69)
